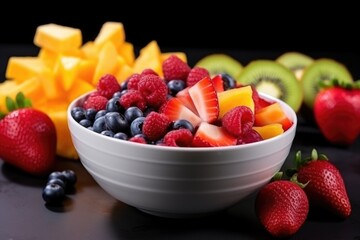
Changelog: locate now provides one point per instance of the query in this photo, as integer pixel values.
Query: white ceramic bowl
(179, 182)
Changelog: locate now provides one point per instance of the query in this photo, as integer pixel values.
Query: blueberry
(57, 181)
(90, 114)
(100, 114)
(78, 113)
(70, 177)
(123, 85)
(116, 122)
(121, 136)
(113, 105)
(229, 82)
(53, 193)
(175, 86)
(123, 92)
(99, 124)
(136, 126)
(183, 123)
(116, 94)
(132, 113)
(107, 133)
(85, 123)
(57, 175)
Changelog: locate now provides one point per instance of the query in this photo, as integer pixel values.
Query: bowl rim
(288, 111)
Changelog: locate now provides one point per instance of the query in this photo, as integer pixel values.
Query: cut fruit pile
(65, 68)
(293, 77)
(185, 108)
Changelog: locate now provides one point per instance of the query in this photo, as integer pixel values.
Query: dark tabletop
(90, 213)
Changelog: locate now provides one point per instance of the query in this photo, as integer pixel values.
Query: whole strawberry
(325, 186)
(282, 207)
(337, 112)
(27, 138)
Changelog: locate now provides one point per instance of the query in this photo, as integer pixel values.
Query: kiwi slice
(296, 62)
(273, 79)
(322, 70)
(221, 63)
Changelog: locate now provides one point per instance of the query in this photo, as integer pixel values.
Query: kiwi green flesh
(322, 70)
(275, 80)
(296, 62)
(221, 63)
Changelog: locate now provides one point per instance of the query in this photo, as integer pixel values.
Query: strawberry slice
(185, 98)
(175, 110)
(205, 99)
(218, 83)
(209, 135)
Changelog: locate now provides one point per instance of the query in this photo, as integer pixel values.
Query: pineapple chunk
(150, 57)
(126, 50)
(22, 68)
(67, 70)
(111, 32)
(58, 38)
(108, 60)
(235, 97)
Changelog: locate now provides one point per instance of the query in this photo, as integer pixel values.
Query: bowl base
(177, 215)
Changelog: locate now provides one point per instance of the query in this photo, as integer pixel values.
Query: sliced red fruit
(272, 114)
(218, 83)
(175, 110)
(259, 101)
(185, 98)
(205, 99)
(209, 135)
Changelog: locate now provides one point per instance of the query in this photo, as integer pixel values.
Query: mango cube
(22, 68)
(57, 38)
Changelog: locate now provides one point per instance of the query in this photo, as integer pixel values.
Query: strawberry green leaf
(10, 104)
(27, 102)
(20, 99)
(2, 115)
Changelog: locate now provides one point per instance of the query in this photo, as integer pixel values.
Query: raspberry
(133, 81)
(155, 126)
(137, 139)
(238, 120)
(133, 98)
(174, 68)
(107, 86)
(195, 75)
(249, 137)
(153, 89)
(97, 102)
(149, 71)
(178, 138)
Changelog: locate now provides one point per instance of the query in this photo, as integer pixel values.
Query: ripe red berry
(133, 98)
(107, 86)
(195, 75)
(133, 81)
(153, 89)
(98, 102)
(178, 138)
(238, 120)
(174, 68)
(155, 126)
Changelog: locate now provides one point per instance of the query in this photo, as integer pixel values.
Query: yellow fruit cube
(67, 69)
(126, 50)
(48, 57)
(111, 32)
(150, 57)
(124, 72)
(90, 50)
(52, 87)
(22, 68)
(235, 97)
(57, 38)
(78, 89)
(107, 63)
(87, 69)
(270, 130)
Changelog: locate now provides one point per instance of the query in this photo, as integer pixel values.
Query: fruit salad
(186, 107)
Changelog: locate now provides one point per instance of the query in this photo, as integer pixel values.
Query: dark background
(253, 25)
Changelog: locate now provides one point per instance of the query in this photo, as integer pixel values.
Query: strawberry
(337, 112)
(208, 135)
(325, 185)
(185, 98)
(218, 83)
(282, 207)
(27, 138)
(175, 110)
(204, 97)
